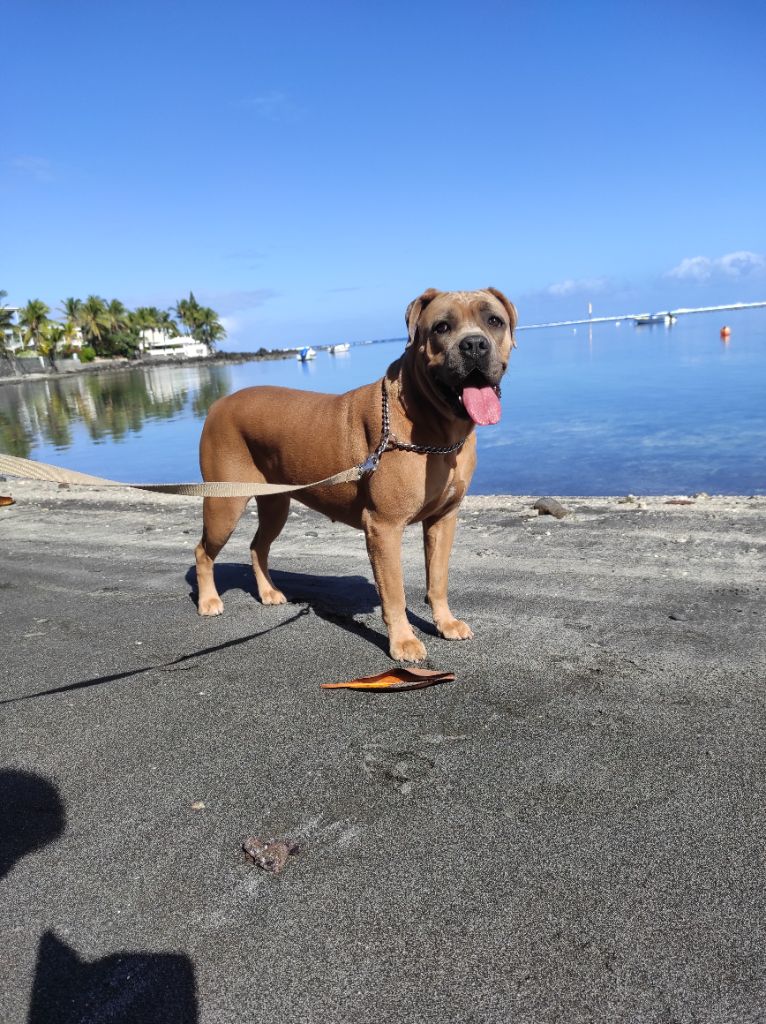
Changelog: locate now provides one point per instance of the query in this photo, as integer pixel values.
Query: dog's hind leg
(272, 516)
(219, 517)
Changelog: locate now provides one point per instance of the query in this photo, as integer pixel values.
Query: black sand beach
(571, 831)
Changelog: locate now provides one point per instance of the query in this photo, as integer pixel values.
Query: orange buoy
(725, 331)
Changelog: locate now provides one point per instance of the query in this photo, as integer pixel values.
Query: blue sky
(307, 170)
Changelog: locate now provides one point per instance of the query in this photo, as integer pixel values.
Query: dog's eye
(495, 321)
(441, 328)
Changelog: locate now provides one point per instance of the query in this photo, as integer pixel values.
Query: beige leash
(27, 469)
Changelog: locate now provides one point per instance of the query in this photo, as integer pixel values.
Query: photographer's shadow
(123, 988)
(32, 815)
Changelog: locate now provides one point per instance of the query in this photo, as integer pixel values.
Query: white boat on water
(334, 349)
(655, 318)
(306, 353)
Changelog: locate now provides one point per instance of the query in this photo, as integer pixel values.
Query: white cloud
(590, 285)
(733, 264)
(693, 268)
(738, 264)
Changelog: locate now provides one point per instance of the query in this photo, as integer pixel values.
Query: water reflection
(108, 406)
(603, 411)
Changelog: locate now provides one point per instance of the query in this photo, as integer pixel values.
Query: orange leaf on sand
(5, 500)
(395, 679)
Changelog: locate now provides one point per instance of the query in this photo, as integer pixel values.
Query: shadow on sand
(337, 599)
(31, 815)
(162, 667)
(123, 988)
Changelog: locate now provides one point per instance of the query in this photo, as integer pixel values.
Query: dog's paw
(272, 596)
(210, 606)
(410, 649)
(454, 629)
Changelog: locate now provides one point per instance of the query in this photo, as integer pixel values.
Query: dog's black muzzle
(474, 348)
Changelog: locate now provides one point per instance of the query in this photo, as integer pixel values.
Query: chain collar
(388, 442)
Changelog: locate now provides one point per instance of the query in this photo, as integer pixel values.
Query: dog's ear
(414, 310)
(510, 309)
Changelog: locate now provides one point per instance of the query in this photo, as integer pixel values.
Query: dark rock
(550, 507)
(269, 854)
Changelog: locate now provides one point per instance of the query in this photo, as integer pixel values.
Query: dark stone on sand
(550, 507)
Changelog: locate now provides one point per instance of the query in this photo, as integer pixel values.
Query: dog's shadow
(337, 599)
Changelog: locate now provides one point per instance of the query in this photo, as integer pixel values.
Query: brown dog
(446, 381)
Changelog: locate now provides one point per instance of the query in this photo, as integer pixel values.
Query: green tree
(6, 322)
(120, 336)
(51, 336)
(33, 319)
(188, 312)
(71, 308)
(116, 316)
(150, 318)
(209, 327)
(167, 323)
(202, 321)
(93, 321)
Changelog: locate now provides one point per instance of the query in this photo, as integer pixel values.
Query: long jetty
(641, 316)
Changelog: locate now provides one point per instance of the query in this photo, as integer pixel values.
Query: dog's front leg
(384, 546)
(438, 535)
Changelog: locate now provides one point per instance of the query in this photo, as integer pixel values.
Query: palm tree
(209, 327)
(202, 321)
(116, 316)
(187, 311)
(143, 318)
(167, 323)
(93, 321)
(71, 309)
(151, 318)
(51, 337)
(32, 319)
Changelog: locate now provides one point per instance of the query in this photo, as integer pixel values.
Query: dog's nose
(474, 346)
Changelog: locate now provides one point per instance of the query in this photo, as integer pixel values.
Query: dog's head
(462, 342)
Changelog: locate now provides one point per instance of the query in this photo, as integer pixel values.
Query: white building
(159, 344)
(13, 342)
(9, 340)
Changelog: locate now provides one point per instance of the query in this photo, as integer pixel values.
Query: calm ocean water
(611, 410)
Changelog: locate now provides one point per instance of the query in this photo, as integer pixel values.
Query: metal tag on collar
(369, 465)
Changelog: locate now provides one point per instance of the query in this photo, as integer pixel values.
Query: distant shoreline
(219, 359)
(121, 365)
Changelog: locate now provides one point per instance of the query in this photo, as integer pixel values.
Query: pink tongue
(482, 405)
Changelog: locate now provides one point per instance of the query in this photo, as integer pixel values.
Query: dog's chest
(414, 487)
(447, 498)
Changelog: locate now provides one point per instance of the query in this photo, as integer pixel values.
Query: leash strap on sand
(28, 469)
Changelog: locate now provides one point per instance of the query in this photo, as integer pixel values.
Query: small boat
(306, 353)
(655, 318)
(334, 349)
